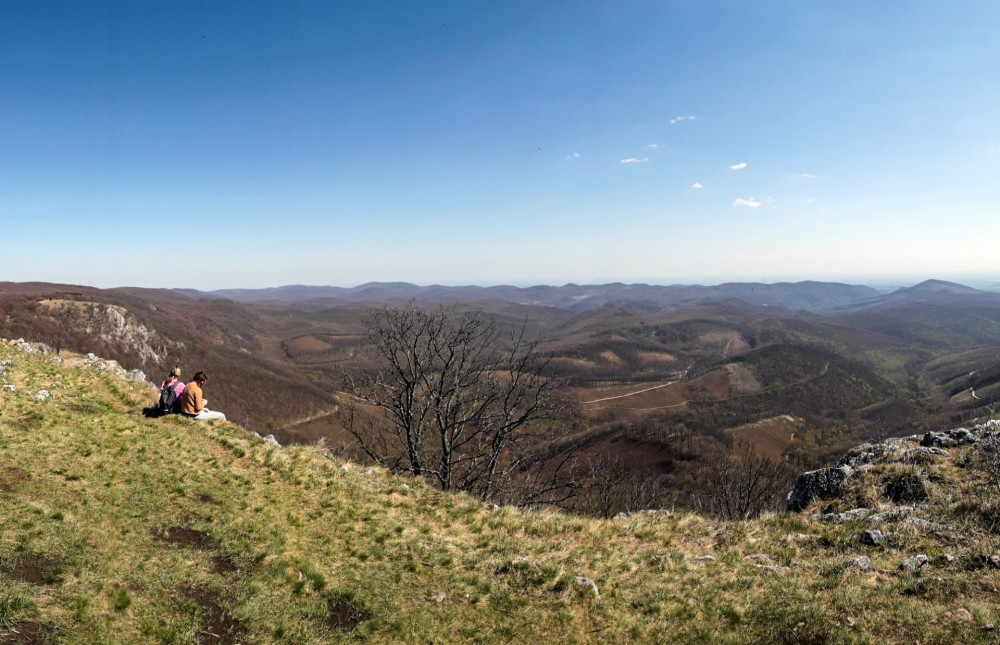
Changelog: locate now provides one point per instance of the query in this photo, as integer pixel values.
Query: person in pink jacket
(168, 403)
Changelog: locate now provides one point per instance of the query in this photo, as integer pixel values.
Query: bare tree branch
(459, 402)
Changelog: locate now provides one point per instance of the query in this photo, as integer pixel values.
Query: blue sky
(251, 144)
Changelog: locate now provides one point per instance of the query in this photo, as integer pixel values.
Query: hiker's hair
(200, 377)
(176, 371)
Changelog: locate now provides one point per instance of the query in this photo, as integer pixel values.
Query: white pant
(207, 415)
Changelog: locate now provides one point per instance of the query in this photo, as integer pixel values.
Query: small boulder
(949, 439)
(840, 518)
(705, 558)
(893, 513)
(862, 563)
(868, 453)
(873, 537)
(924, 524)
(924, 454)
(271, 441)
(586, 586)
(816, 484)
(960, 615)
(759, 558)
(914, 563)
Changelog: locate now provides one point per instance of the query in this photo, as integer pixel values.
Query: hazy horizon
(219, 145)
(985, 282)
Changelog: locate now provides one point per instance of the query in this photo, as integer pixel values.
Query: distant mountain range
(812, 296)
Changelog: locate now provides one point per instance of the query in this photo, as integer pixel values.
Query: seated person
(171, 392)
(193, 405)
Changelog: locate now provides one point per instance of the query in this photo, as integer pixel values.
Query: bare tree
(458, 400)
(741, 487)
(618, 487)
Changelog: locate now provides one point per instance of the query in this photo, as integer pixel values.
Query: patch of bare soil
(344, 615)
(219, 626)
(185, 536)
(10, 477)
(24, 633)
(33, 570)
(205, 498)
(223, 564)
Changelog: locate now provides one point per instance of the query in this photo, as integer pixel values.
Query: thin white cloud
(806, 175)
(575, 155)
(749, 203)
(810, 200)
(696, 185)
(634, 160)
(678, 119)
(740, 166)
(652, 145)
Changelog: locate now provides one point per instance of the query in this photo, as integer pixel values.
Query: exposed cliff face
(113, 325)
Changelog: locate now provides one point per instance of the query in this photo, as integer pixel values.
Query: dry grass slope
(116, 528)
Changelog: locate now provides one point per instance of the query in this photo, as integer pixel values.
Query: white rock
(586, 585)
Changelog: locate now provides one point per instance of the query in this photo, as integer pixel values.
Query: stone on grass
(271, 441)
(816, 484)
(872, 537)
(861, 563)
(868, 453)
(840, 518)
(759, 558)
(924, 524)
(891, 514)
(951, 438)
(960, 615)
(925, 454)
(586, 586)
(914, 563)
(705, 558)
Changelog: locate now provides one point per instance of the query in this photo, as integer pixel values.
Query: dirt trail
(823, 372)
(648, 389)
(622, 396)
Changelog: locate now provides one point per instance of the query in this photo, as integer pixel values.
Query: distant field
(769, 436)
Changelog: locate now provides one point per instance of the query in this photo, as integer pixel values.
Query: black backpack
(168, 400)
